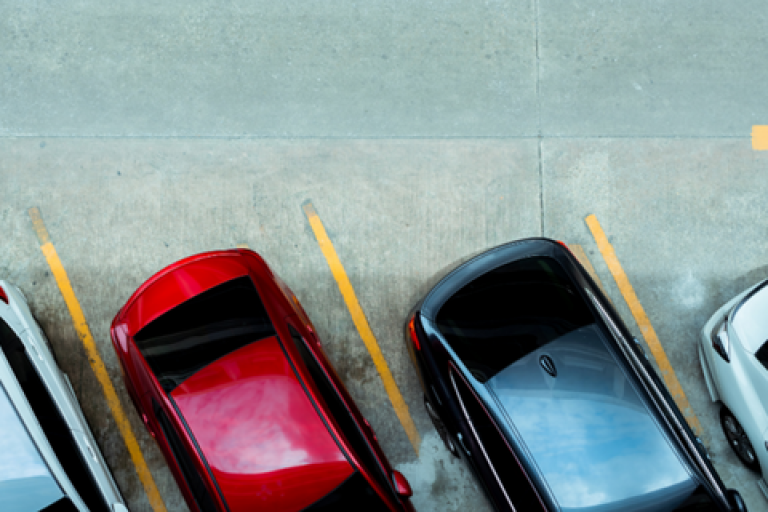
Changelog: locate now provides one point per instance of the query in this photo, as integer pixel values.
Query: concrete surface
(291, 68)
(421, 132)
(652, 68)
(447, 484)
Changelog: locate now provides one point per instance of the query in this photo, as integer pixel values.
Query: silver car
(733, 350)
(48, 457)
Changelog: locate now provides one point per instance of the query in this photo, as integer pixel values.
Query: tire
(440, 427)
(738, 440)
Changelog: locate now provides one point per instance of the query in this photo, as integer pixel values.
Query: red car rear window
(209, 326)
(354, 494)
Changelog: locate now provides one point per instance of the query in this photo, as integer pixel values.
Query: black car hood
(586, 427)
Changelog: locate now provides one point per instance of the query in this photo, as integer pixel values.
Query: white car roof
(750, 319)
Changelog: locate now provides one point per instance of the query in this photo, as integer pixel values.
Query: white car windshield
(26, 483)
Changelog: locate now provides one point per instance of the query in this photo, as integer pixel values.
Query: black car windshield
(355, 493)
(509, 312)
(205, 328)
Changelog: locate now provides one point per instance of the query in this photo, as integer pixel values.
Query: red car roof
(257, 429)
(259, 432)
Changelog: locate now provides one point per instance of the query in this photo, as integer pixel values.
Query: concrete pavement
(420, 132)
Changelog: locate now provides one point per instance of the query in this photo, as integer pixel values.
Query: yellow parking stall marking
(84, 333)
(760, 138)
(581, 255)
(649, 334)
(358, 317)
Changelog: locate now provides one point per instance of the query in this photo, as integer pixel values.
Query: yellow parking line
(649, 334)
(358, 317)
(760, 138)
(84, 333)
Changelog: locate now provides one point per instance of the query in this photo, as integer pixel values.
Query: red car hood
(260, 434)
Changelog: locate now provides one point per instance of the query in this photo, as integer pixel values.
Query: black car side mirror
(735, 500)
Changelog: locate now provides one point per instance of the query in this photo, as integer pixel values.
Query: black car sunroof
(197, 332)
(509, 312)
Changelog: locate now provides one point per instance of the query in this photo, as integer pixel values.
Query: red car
(228, 374)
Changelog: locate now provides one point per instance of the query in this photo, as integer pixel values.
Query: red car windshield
(197, 332)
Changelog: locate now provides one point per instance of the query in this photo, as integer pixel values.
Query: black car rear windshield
(205, 328)
(509, 312)
(355, 493)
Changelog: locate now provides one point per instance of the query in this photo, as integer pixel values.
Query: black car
(531, 376)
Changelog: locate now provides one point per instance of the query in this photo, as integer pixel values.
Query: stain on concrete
(441, 482)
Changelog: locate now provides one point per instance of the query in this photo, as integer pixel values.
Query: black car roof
(589, 432)
(536, 248)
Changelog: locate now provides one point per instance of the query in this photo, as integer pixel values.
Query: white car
(48, 457)
(733, 350)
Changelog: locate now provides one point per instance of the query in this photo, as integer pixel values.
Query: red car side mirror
(146, 424)
(402, 487)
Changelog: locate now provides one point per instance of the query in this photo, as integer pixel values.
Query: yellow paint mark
(581, 255)
(358, 317)
(37, 223)
(649, 334)
(760, 138)
(243, 246)
(84, 333)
